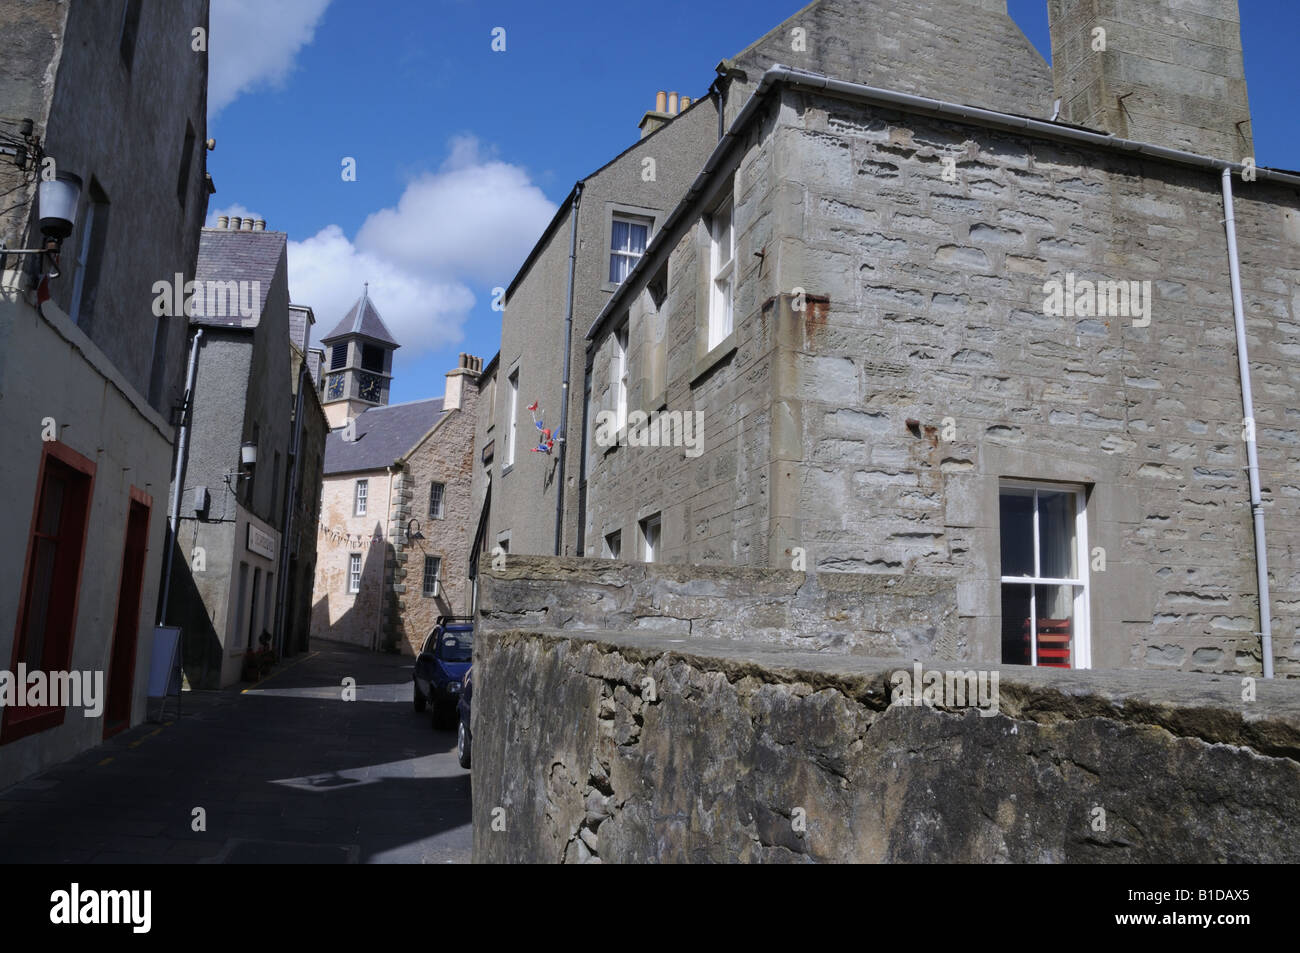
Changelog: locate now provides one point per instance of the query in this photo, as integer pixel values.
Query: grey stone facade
(924, 302)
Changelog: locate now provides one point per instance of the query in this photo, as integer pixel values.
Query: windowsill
(505, 469)
(709, 361)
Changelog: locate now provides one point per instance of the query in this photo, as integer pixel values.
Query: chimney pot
(661, 102)
(686, 103)
(223, 221)
(672, 104)
(259, 225)
(247, 226)
(235, 222)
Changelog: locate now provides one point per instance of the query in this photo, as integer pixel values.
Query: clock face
(370, 388)
(335, 387)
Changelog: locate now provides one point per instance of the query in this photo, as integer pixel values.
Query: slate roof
(382, 435)
(364, 320)
(229, 255)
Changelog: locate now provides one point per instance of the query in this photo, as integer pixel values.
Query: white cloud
(253, 43)
(423, 313)
(477, 217)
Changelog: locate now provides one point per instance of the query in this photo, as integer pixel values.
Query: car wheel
(420, 701)
(462, 743)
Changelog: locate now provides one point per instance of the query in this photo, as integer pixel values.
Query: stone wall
(447, 457)
(606, 747)
(923, 301)
(859, 613)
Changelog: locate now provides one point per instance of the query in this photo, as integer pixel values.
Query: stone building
(307, 473)
(906, 322)
(397, 513)
(89, 370)
(223, 588)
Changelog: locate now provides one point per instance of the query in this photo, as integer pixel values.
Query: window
(362, 492)
(650, 539)
(130, 29)
(722, 273)
(90, 255)
(1044, 576)
(338, 356)
(252, 612)
(613, 544)
(620, 376)
(627, 245)
(372, 358)
(432, 571)
(513, 399)
(187, 158)
(435, 500)
(354, 572)
(51, 582)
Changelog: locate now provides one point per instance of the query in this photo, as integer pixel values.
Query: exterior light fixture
(248, 453)
(58, 203)
(413, 534)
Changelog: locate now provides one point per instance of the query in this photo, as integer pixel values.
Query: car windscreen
(456, 646)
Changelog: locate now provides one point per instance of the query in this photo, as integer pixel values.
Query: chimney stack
(661, 115)
(468, 367)
(1163, 73)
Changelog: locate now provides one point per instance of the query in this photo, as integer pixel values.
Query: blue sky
(463, 153)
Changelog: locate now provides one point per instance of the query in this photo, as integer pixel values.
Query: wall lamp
(247, 461)
(58, 200)
(413, 534)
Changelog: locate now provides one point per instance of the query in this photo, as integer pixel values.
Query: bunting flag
(546, 441)
(353, 541)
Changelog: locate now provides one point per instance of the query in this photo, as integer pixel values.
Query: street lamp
(413, 534)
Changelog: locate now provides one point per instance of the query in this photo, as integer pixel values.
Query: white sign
(261, 543)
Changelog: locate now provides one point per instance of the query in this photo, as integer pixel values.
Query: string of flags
(546, 441)
(353, 540)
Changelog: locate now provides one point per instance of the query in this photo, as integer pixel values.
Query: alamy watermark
(659, 428)
(1101, 299)
(39, 689)
(206, 299)
(972, 689)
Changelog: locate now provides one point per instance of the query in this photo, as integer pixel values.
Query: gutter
(802, 79)
(562, 437)
(1248, 405)
(178, 476)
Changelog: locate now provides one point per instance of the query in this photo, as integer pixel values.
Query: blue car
(442, 662)
(463, 736)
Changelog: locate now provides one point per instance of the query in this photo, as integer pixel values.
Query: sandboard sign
(165, 667)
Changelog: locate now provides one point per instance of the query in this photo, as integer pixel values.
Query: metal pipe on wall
(178, 477)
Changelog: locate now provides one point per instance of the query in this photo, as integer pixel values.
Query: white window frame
(441, 510)
(437, 577)
(360, 497)
(722, 273)
(633, 222)
(354, 572)
(650, 550)
(83, 261)
(620, 376)
(1081, 639)
(512, 423)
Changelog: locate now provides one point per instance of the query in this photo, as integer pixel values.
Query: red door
(121, 667)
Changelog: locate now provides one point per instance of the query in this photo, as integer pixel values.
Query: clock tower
(359, 363)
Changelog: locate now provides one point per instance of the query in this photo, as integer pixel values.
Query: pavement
(285, 771)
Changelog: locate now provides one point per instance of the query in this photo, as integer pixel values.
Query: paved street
(286, 771)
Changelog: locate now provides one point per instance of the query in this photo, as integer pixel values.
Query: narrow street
(285, 772)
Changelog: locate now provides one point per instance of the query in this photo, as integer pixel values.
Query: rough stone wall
(339, 615)
(856, 613)
(964, 51)
(1170, 73)
(925, 301)
(632, 748)
(447, 457)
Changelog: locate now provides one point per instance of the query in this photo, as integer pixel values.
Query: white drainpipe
(1248, 404)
